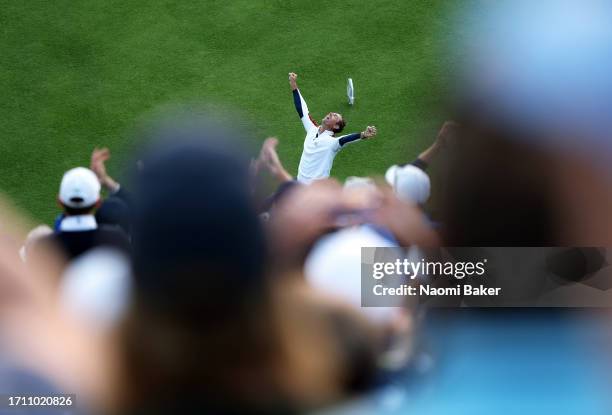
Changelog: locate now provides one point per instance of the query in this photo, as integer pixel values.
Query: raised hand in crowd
(99, 157)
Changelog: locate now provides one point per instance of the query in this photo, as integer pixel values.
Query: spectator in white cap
(79, 191)
(78, 230)
(410, 181)
(411, 184)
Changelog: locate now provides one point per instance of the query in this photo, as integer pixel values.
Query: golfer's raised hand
(293, 80)
(369, 132)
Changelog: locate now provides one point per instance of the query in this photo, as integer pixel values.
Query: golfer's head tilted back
(321, 144)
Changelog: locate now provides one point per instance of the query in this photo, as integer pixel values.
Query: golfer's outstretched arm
(348, 138)
(300, 104)
(364, 135)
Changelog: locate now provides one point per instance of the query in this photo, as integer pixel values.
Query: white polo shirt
(318, 155)
(319, 148)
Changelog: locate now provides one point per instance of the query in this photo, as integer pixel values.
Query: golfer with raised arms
(321, 145)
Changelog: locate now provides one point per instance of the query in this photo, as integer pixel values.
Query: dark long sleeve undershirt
(297, 102)
(349, 138)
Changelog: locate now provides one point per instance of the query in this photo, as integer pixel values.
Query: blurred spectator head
(334, 267)
(196, 234)
(79, 191)
(95, 287)
(354, 182)
(533, 167)
(410, 183)
(541, 67)
(199, 325)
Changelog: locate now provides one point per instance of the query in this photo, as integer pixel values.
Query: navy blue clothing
(420, 163)
(349, 138)
(73, 244)
(115, 212)
(298, 103)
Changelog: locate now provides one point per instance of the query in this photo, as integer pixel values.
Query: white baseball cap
(410, 183)
(80, 188)
(334, 266)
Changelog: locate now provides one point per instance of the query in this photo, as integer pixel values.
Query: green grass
(75, 75)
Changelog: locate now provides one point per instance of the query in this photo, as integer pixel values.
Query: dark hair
(72, 211)
(200, 292)
(213, 226)
(341, 124)
(497, 190)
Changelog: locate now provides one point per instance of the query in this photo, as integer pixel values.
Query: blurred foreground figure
(199, 332)
(531, 168)
(43, 349)
(199, 323)
(208, 327)
(534, 163)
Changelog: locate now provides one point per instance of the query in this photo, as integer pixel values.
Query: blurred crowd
(183, 288)
(210, 280)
